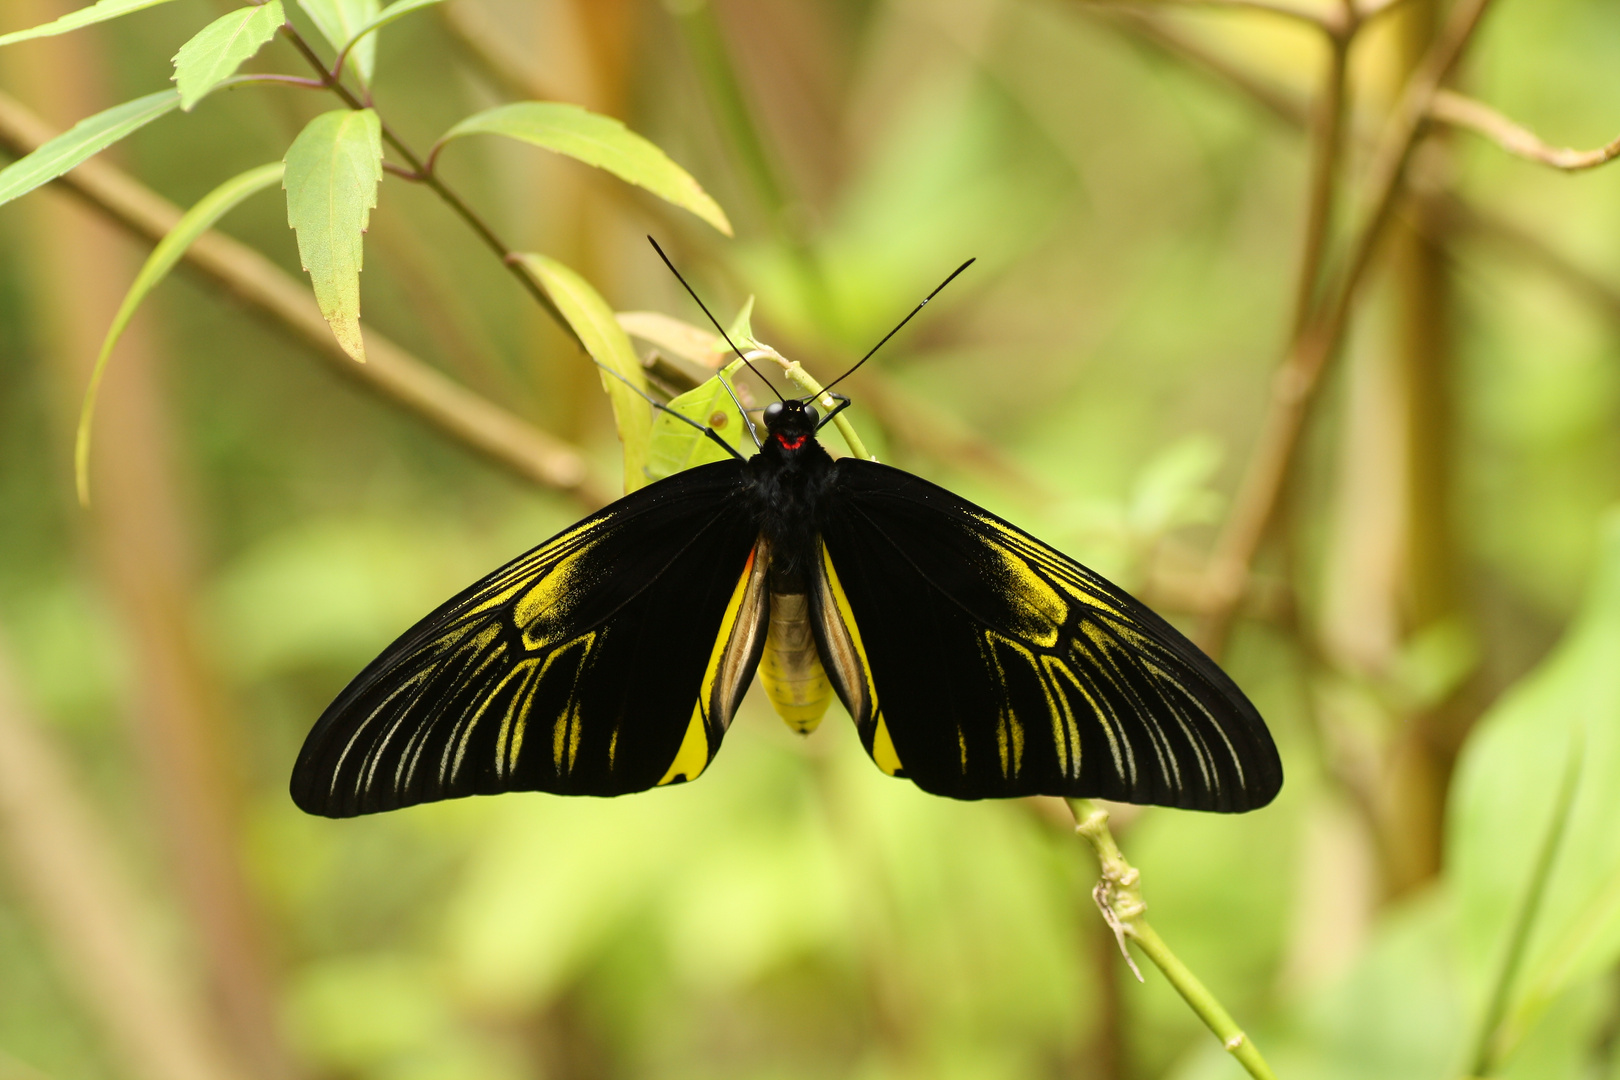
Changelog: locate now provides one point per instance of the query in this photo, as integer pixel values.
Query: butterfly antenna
(716, 322)
(903, 322)
(708, 432)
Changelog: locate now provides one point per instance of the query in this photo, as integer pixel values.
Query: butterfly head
(791, 424)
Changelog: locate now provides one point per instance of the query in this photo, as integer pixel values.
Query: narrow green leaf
(100, 12)
(85, 139)
(218, 49)
(333, 169)
(198, 220)
(675, 446)
(398, 9)
(596, 140)
(592, 319)
(1507, 790)
(340, 21)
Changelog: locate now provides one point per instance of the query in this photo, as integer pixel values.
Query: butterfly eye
(773, 412)
(811, 415)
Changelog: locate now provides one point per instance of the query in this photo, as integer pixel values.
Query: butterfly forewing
(607, 660)
(1000, 667)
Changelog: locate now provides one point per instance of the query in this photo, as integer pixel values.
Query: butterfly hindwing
(607, 660)
(1000, 667)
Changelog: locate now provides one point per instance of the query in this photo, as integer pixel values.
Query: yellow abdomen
(790, 667)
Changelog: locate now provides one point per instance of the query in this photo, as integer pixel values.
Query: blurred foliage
(1098, 377)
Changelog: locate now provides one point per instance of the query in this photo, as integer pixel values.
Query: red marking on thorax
(794, 445)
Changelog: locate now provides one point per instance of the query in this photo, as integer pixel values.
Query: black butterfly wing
(979, 662)
(607, 660)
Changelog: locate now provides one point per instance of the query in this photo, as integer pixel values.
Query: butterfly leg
(843, 403)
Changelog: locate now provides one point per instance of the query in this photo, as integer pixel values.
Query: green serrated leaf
(333, 169)
(88, 16)
(592, 320)
(340, 21)
(198, 220)
(741, 329)
(596, 140)
(85, 139)
(676, 446)
(218, 49)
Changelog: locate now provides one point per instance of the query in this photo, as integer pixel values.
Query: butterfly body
(975, 660)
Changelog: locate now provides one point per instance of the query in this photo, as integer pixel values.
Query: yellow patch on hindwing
(854, 672)
(694, 753)
(693, 756)
(883, 755)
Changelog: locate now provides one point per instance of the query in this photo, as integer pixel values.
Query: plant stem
(795, 371)
(1314, 346)
(706, 41)
(1119, 897)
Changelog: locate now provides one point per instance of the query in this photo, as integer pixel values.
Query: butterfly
(975, 660)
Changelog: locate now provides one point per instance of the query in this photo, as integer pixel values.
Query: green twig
(795, 372)
(1119, 898)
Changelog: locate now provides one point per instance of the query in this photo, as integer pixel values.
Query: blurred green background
(1433, 633)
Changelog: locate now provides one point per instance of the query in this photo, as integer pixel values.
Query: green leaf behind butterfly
(596, 140)
(218, 49)
(87, 16)
(676, 446)
(85, 139)
(592, 320)
(198, 220)
(333, 169)
(340, 21)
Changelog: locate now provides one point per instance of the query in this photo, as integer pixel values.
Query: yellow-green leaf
(198, 220)
(340, 21)
(333, 169)
(596, 140)
(592, 320)
(218, 49)
(741, 330)
(676, 446)
(85, 139)
(87, 16)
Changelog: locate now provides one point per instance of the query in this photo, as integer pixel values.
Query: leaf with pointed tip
(85, 139)
(596, 140)
(741, 329)
(198, 220)
(593, 322)
(676, 446)
(340, 21)
(86, 16)
(218, 49)
(333, 169)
